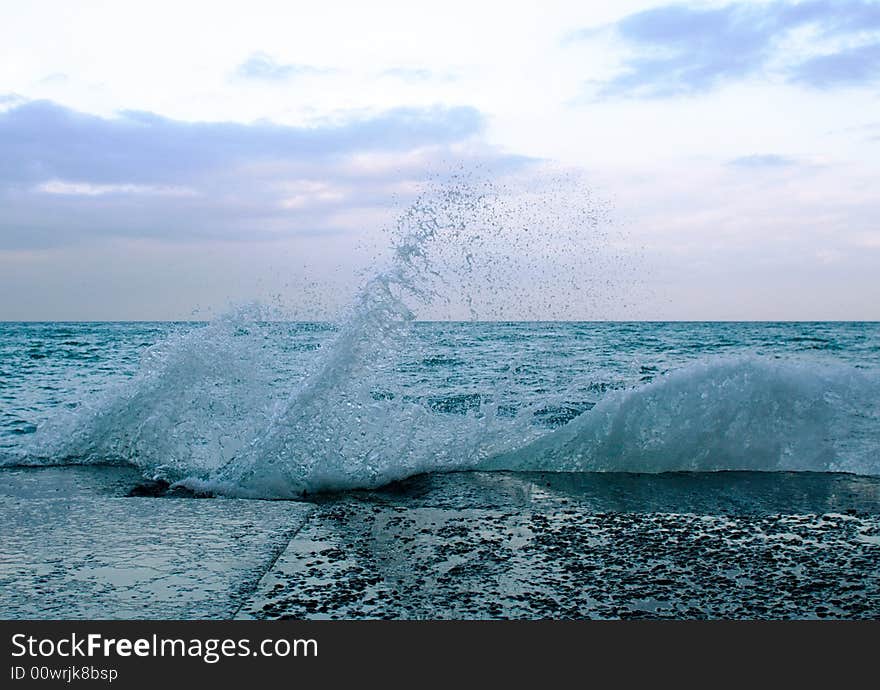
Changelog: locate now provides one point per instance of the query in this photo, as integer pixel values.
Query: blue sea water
(249, 406)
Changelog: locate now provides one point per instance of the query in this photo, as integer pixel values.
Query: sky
(162, 160)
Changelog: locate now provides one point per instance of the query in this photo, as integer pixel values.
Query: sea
(249, 406)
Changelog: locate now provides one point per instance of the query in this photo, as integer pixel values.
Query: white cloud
(87, 189)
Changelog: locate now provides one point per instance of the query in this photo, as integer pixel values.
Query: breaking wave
(210, 410)
(745, 413)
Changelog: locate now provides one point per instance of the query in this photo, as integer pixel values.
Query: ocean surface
(248, 406)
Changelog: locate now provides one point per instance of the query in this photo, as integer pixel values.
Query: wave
(745, 413)
(209, 410)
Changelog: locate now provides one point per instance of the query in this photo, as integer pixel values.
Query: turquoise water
(254, 407)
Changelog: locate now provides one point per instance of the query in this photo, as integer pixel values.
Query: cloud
(680, 50)
(55, 78)
(767, 160)
(418, 74)
(87, 189)
(42, 141)
(263, 67)
(8, 100)
(852, 67)
(692, 50)
(69, 177)
(833, 17)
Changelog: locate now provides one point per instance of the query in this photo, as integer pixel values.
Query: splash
(206, 411)
(342, 429)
